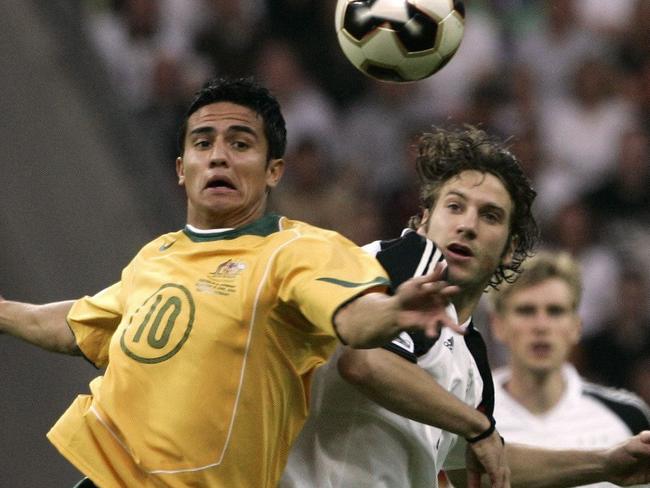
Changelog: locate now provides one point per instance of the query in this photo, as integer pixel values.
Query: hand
(487, 456)
(629, 462)
(422, 303)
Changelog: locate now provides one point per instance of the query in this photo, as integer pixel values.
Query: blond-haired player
(540, 399)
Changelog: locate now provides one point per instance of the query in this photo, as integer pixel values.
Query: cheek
(434, 231)
(496, 249)
(570, 335)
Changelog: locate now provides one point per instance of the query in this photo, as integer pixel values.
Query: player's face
(539, 325)
(470, 224)
(224, 167)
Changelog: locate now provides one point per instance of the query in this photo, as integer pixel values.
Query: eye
(525, 310)
(556, 311)
(454, 206)
(240, 145)
(492, 218)
(202, 144)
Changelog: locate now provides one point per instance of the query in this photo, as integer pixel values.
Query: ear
(180, 171)
(424, 222)
(274, 172)
(576, 332)
(508, 253)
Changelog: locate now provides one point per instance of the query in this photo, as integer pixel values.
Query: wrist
(487, 432)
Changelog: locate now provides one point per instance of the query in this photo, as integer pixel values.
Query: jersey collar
(262, 227)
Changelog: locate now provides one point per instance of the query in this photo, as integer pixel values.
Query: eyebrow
(457, 193)
(488, 205)
(495, 208)
(233, 128)
(201, 131)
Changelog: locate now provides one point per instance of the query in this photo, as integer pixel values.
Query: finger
(473, 479)
(439, 269)
(437, 273)
(450, 290)
(498, 480)
(437, 289)
(432, 324)
(432, 331)
(447, 321)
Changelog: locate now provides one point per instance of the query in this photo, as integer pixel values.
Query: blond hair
(542, 266)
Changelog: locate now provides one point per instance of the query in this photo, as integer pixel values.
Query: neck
(537, 392)
(210, 219)
(465, 302)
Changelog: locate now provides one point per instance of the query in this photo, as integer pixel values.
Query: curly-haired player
(397, 415)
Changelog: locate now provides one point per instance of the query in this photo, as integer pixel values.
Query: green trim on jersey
(350, 284)
(262, 227)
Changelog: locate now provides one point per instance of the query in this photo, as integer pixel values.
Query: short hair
(247, 93)
(543, 266)
(444, 154)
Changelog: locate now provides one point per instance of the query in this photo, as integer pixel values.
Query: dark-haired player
(212, 334)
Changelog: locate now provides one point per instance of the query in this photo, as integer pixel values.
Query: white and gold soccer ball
(399, 40)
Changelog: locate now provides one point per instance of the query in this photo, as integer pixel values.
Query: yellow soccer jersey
(210, 342)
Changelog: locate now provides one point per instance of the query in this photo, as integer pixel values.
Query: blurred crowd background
(92, 95)
(567, 81)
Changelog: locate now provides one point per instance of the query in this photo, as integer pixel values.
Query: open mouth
(220, 183)
(541, 348)
(460, 250)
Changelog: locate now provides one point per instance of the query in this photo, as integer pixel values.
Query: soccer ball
(399, 40)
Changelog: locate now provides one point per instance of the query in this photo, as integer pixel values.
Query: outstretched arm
(418, 304)
(42, 325)
(626, 464)
(406, 389)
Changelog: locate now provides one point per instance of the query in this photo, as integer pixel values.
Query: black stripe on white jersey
(477, 347)
(414, 255)
(630, 408)
(410, 255)
(403, 258)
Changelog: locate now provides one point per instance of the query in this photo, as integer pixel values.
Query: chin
(461, 278)
(541, 369)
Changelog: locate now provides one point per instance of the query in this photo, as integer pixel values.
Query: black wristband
(486, 433)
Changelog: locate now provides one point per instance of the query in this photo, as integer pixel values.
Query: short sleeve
(320, 274)
(404, 346)
(93, 321)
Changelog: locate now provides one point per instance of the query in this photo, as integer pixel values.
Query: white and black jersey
(350, 441)
(588, 416)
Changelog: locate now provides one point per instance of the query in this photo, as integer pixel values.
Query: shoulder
(409, 255)
(302, 230)
(629, 407)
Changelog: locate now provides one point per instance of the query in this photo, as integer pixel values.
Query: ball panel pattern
(399, 40)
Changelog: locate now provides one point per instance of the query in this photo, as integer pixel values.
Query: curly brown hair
(444, 154)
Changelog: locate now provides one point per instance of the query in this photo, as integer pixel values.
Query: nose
(540, 322)
(467, 225)
(218, 155)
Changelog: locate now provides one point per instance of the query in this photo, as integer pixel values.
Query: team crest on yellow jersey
(223, 280)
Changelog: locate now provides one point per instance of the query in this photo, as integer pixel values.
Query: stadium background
(91, 92)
